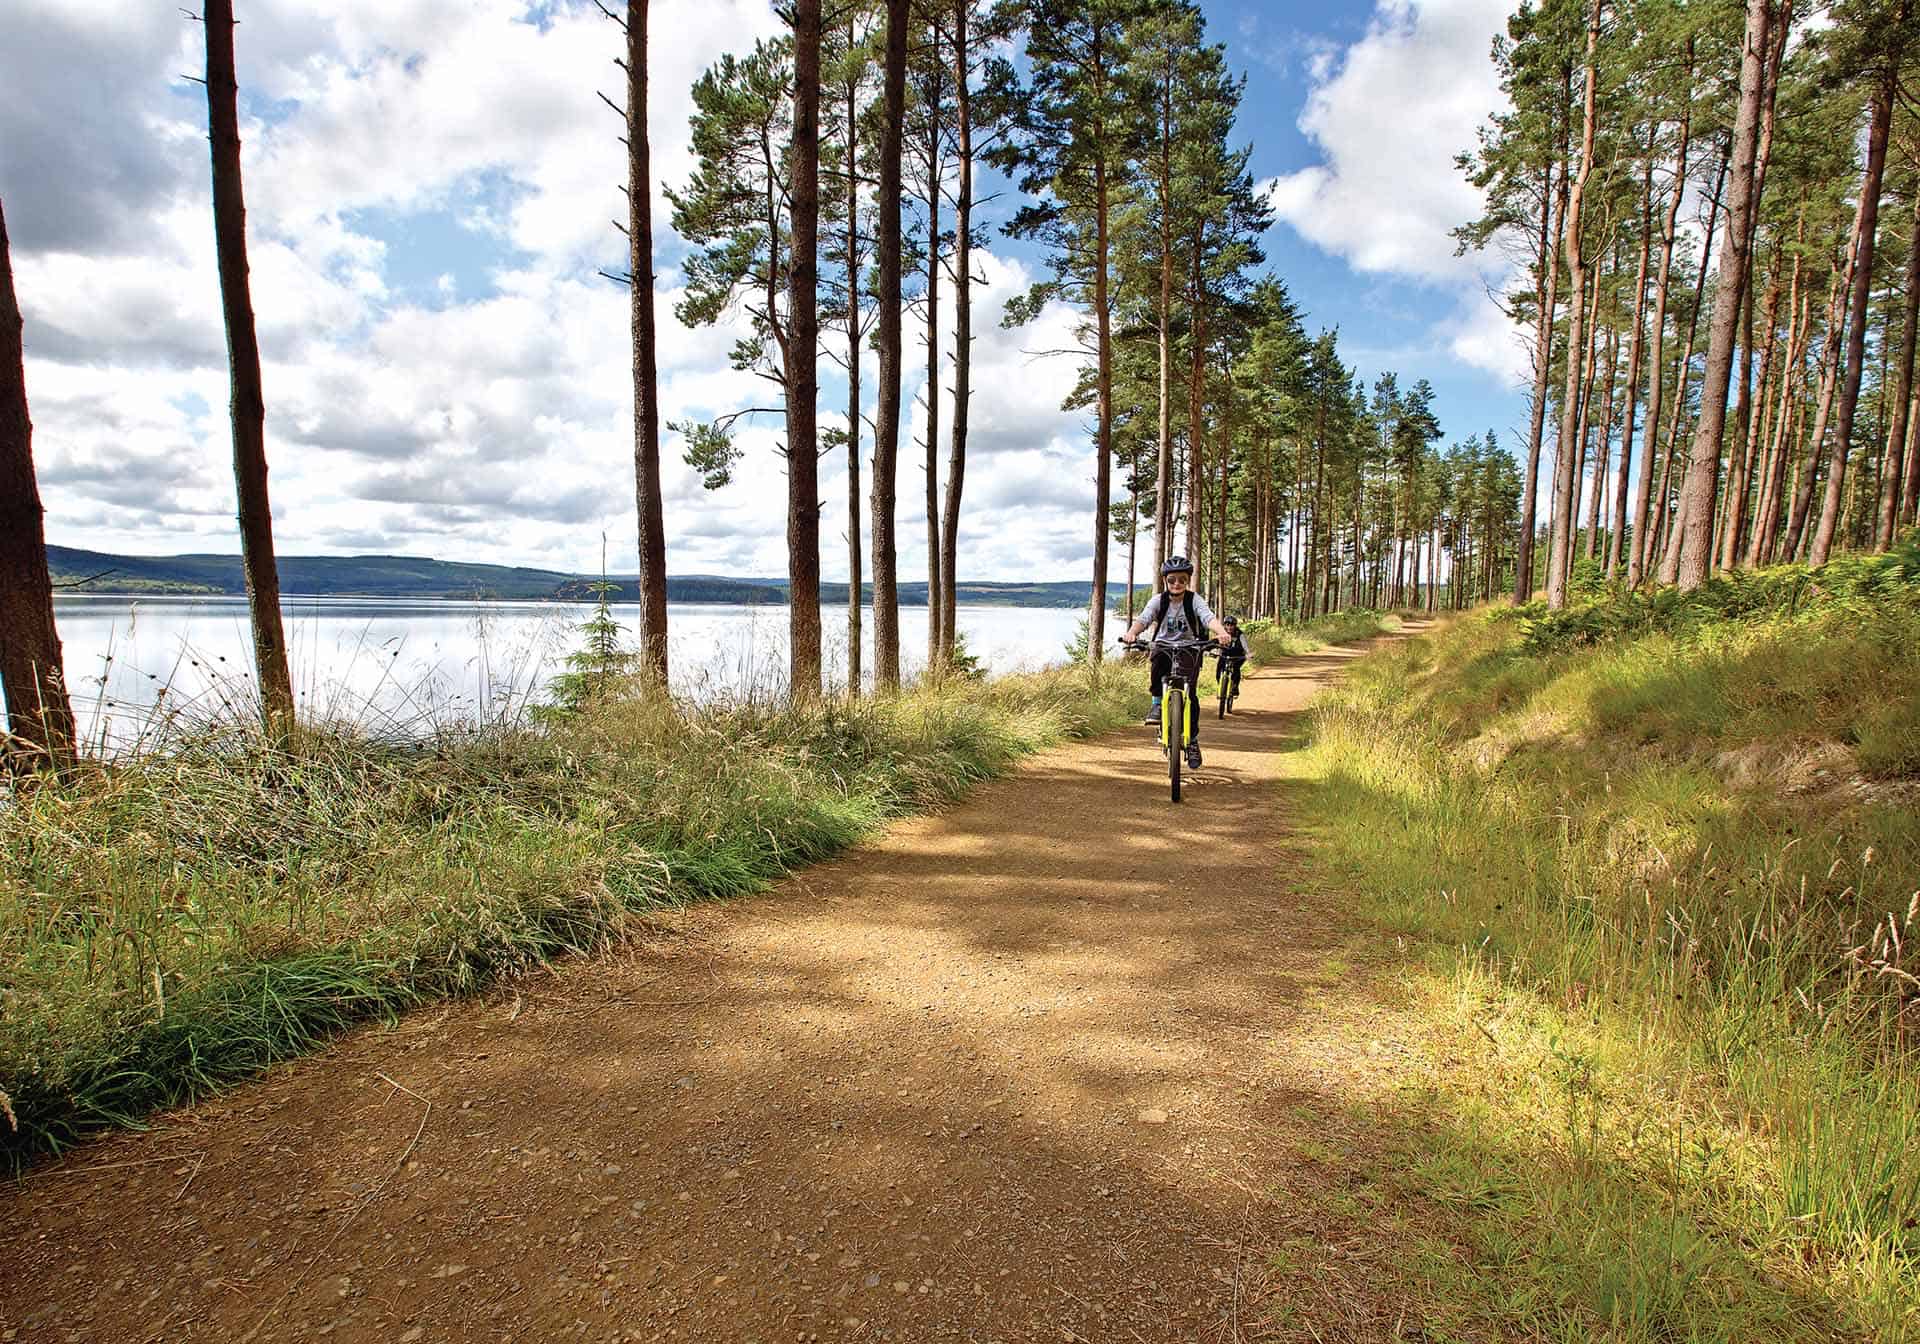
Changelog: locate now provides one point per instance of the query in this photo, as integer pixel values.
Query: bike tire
(1176, 739)
(1225, 700)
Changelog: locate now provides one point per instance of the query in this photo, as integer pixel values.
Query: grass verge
(178, 921)
(1655, 862)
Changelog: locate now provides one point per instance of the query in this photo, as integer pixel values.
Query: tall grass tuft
(173, 920)
(1677, 841)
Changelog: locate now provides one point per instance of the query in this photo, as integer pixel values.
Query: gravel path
(1029, 1069)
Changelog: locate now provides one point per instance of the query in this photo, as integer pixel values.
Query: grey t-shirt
(1174, 624)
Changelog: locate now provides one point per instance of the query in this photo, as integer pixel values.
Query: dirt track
(1037, 1068)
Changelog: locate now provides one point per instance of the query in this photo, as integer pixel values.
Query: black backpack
(1186, 603)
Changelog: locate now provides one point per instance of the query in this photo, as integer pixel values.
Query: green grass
(1656, 862)
(1269, 640)
(176, 921)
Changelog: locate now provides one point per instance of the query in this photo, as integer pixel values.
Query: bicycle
(1179, 708)
(1229, 675)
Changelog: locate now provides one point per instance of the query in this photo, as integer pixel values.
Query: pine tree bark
(1638, 555)
(646, 395)
(1163, 480)
(1552, 220)
(855, 580)
(243, 359)
(1225, 455)
(1741, 548)
(1310, 591)
(1616, 547)
(1767, 521)
(39, 715)
(963, 335)
(1830, 357)
(1703, 468)
(935, 167)
(1742, 461)
(1103, 329)
(1866, 216)
(1196, 405)
(803, 353)
(1676, 512)
(886, 430)
(1561, 549)
(1910, 487)
(1893, 463)
(1602, 445)
(1733, 508)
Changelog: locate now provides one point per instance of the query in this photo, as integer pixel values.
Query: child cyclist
(1180, 613)
(1233, 656)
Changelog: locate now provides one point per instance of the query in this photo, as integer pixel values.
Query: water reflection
(413, 664)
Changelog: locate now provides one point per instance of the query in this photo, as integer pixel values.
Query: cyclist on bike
(1232, 655)
(1180, 613)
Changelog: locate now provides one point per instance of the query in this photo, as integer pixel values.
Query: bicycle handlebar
(1174, 645)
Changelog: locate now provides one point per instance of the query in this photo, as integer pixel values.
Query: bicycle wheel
(1176, 737)
(1225, 699)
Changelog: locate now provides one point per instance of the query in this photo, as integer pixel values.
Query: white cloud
(474, 405)
(1482, 334)
(1389, 116)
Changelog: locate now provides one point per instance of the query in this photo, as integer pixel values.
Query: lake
(418, 664)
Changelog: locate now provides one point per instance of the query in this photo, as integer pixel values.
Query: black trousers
(1161, 665)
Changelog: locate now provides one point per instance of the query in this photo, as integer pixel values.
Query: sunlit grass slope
(1659, 860)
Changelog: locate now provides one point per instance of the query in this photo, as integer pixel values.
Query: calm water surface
(420, 663)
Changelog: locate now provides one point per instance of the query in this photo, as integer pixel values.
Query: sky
(430, 188)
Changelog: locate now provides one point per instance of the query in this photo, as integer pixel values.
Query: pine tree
(243, 357)
(1074, 137)
(39, 716)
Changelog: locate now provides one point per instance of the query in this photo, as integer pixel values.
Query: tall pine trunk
(1561, 550)
(1741, 464)
(963, 333)
(1639, 556)
(1830, 358)
(1670, 553)
(855, 583)
(1602, 448)
(803, 353)
(1552, 219)
(1196, 407)
(1616, 548)
(1866, 214)
(646, 396)
(1746, 519)
(1225, 455)
(936, 584)
(1103, 449)
(886, 429)
(39, 716)
(1767, 521)
(1893, 464)
(243, 359)
(1703, 468)
(1163, 477)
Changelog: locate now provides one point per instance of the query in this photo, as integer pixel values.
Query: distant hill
(78, 571)
(713, 588)
(300, 575)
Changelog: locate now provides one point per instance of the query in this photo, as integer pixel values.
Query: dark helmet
(1175, 564)
(1231, 623)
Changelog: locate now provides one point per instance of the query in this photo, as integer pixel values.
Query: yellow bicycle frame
(1192, 707)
